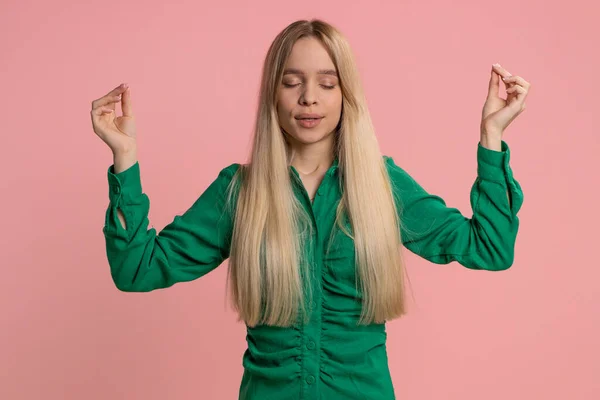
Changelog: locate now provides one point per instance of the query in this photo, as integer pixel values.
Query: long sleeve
(443, 234)
(192, 245)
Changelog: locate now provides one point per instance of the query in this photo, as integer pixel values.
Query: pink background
(66, 331)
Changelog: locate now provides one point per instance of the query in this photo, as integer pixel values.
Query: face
(309, 88)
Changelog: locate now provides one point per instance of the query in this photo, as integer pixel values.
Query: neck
(312, 159)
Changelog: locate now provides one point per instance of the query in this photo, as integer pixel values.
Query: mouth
(309, 117)
(309, 122)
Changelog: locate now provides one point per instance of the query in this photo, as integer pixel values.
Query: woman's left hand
(498, 113)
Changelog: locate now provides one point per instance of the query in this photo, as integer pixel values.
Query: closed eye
(323, 86)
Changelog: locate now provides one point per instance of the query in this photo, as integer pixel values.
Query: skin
(498, 113)
(304, 88)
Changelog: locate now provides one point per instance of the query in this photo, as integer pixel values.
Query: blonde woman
(314, 223)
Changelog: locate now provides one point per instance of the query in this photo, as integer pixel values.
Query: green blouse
(331, 357)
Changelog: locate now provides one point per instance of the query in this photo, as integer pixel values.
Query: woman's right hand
(117, 132)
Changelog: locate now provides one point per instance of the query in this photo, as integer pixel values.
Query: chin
(308, 136)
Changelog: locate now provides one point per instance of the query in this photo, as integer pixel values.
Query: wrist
(123, 160)
(491, 140)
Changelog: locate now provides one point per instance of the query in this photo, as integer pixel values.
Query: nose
(309, 95)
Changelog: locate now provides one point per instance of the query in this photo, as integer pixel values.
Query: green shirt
(330, 357)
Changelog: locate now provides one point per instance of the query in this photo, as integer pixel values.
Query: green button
(310, 379)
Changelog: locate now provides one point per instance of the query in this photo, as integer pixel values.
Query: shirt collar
(334, 167)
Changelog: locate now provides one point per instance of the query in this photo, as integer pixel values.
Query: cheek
(334, 100)
(334, 106)
(284, 98)
(284, 108)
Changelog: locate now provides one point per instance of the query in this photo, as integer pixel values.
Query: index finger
(115, 92)
(504, 73)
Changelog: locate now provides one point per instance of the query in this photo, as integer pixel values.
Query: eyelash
(324, 86)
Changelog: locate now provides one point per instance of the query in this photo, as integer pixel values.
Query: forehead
(309, 56)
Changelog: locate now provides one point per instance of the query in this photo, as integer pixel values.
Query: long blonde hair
(266, 268)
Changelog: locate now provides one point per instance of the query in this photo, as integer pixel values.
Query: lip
(309, 123)
(305, 115)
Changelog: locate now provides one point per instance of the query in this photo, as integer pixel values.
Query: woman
(313, 224)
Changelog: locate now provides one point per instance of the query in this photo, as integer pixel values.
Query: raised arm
(192, 245)
(443, 234)
(140, 259)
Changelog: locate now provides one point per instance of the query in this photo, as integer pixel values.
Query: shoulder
(229, 171)
(402, 182)
(229, 177)
(393, 169)
(389, 161)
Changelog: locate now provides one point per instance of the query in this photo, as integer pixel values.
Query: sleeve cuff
(124, 185)
(493, 165)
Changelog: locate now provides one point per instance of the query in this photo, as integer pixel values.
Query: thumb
(494, 86)
(126, 103)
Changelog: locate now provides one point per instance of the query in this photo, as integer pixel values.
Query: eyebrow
(320, 72)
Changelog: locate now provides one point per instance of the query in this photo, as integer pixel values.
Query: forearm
(124, 160)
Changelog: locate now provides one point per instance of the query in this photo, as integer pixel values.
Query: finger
(521, 94)
(504, 74)
(520, 90)
(501, 71)
(103, 101)
(126, 103)
(115, 92)
(518, 80)
(507, 77)
(118, 90)
(101, 110)
(494, 86)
